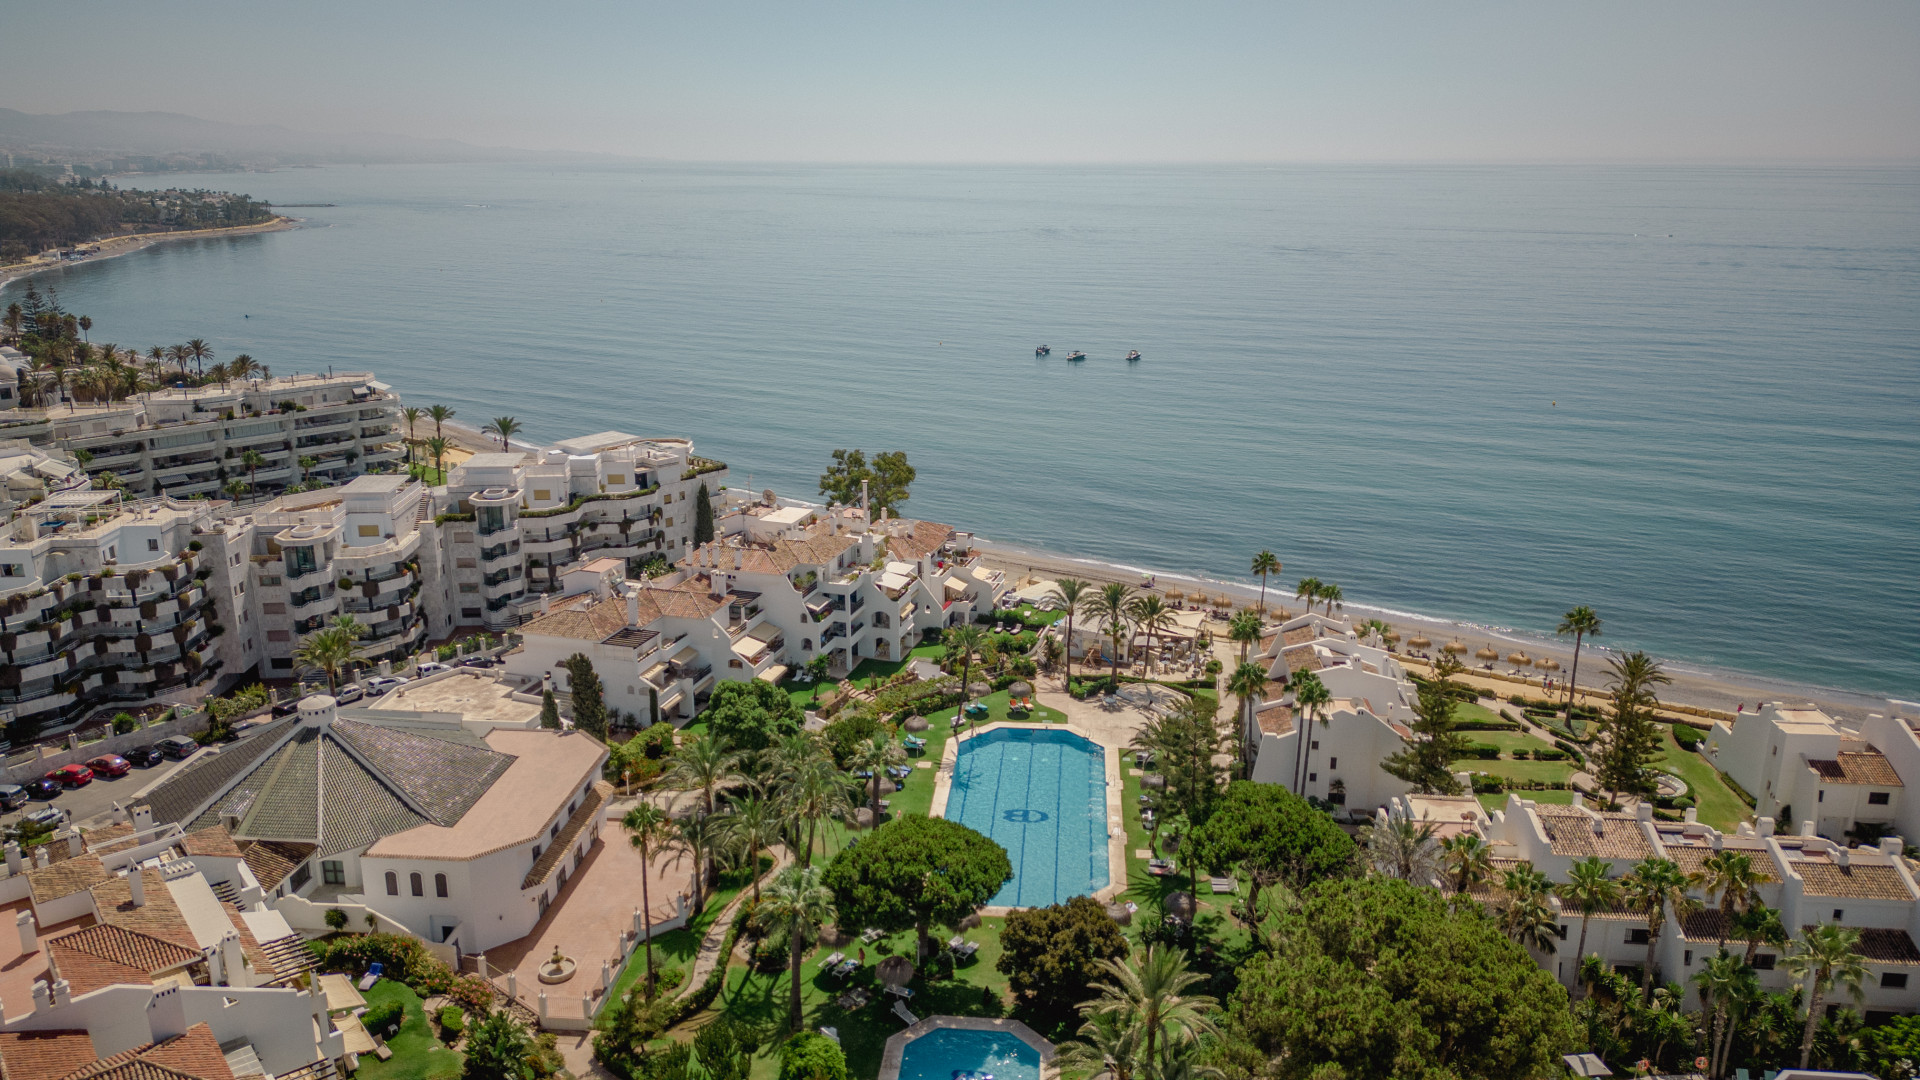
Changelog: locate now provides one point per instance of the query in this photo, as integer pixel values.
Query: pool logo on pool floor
(1026, 817)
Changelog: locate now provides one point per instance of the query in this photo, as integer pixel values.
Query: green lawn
(1467, 711)
(1508, 741)
(887, 669)
(761, 999)
(996, 703)
(1499, 801)
(417, 1053)
(678, 948)
(1718, 806)
(1212, 922)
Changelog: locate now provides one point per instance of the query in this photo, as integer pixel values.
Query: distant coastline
(113, 247)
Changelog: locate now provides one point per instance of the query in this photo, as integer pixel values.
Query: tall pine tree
(549, 710)
(1427, 762)
(1631, 742)
(703, 517)
(589, 701)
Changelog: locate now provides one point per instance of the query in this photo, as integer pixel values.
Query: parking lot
(96, 799)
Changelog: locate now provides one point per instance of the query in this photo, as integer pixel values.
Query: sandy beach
(123, 245)
(1693, 686)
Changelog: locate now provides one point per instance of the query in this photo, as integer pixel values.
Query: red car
(110, 765)
(71, 776)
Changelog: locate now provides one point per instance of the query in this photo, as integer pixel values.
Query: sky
(1108, 81)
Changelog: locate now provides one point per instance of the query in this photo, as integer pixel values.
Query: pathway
(709, 954)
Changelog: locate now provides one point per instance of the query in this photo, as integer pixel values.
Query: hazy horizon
(1068, 83)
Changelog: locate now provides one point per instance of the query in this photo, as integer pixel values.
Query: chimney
(1766, 827)
(62, 993)
(230, 820)
(142, 818)
(233, 961)
(863, 500)
(737, 556)
(29, 933)
(137, 883)
(1806, 827)
(1719, 841)
(14, 865)
(42, 997)
(1842, 857)
(75, 845)
(1893, 845)
(1579, 801)
(1644, 810)
(633, 607)
(1691, 815)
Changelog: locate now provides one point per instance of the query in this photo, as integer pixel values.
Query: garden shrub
(335, 919)
(452, 1022)
(1570, 750)
(1687, 735)
(1483, 751)
(1550, 755)
(812, 1056)
(471, 994)
(381, 1019)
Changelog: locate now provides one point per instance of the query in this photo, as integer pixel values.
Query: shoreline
(116, 246)
(1693, 685)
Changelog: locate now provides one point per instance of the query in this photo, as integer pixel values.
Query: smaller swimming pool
(963, 1054)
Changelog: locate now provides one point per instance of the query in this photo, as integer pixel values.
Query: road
(96, 799)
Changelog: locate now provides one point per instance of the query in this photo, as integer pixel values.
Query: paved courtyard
(587, 919)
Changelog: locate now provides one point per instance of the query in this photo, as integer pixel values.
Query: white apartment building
(1800, 765)
(1814, 881)
(30, 472)
(446, 811)
(190, 441)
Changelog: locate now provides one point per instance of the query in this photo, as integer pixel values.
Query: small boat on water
(1076, 355)
(1043, 350)
(1134, 355)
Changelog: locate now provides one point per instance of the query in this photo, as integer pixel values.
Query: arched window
(440, 885)
(393, 883)
(414, 880)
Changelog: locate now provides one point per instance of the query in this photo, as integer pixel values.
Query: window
(1686, 958)
(1763, 962)
(413, 880)
(536, 853)
(1315, 746)
(1637, 937)
(1838, 913)
(283, 663)
(369, 530)
(301, 875)
(332, 872)
(554, 832)
(1332, 764)
(469, 612)
(393, 883)
(153, 545)
(1820, 797)
(669, 523)
(1560, 931)
(273, 609)
(1312, 776)
(1878, 798)
(440, 885)
(469, 586)
(279, 635)
(1894, 980)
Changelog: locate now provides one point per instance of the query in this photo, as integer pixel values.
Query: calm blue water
(1685, 396)
(945, 1052)
(1042, 795)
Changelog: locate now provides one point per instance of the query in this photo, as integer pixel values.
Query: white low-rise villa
(1799, 764)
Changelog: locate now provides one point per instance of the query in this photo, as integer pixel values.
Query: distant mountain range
(92, 136)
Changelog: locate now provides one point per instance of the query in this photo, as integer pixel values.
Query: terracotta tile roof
(66, 877)
(1275, 720)
(820, 548)
(584, 818)
(1693, 857)
(1299, 634)
(1704, 925)
(1884, 946)
(272, 860)
(1857, 767)
(106, 954)
(44, 1055)
(1571, 832)
(588, 620)
(213, 840)
(925, 538)
(1301, 658)
(159, 917)
(195, 1054)
(687, 600)
(1860, 881)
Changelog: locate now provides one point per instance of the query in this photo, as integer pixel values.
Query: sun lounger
(846, 968)
(831, 1033)
(900, 1010)
(831, 961)
(904, 993)
(372, 976)
(1221, 884)
(872, 935)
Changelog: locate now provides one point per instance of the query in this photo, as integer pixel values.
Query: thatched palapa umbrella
(1176, 594)
(1487, 653)
(1547, 663)
(1020, 689)
(894, 971)
(1180, 905)
(1456, 647)
(1119, 913)
(915, 723)
(1519, 659)
(1391, 635)
(1420, 641)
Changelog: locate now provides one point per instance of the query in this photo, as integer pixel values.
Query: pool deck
(1116, 827)
(896, 1050)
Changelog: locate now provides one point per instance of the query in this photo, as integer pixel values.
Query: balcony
(310, 595)
(500, 576)
(500, 551)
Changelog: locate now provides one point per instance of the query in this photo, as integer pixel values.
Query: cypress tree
(549, 710)
(703, 517)
(653, 706)
(589, 702)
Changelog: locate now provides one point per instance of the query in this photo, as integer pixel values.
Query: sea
(1688, 397)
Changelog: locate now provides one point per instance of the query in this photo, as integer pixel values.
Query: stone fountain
(558, 968)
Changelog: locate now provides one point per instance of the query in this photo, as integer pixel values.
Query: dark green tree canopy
(916, 872)
(888, 477)
(498, 1049)
(750, 715)
(1050, 952)
(1275, 836)
(812, 1056)
(1427, 761)
(703, 517)
(589, 701)
(1376, 978)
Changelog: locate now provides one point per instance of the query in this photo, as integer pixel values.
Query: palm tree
(252, 460)
(197, 351)
(506, 427)
(1151, 615)
(1264, 563)
(1308, 589)
(328, 649)
(1155, 995)
(1826, 956)
(179, 355)
(1582, 623)
(1071, 594)
(962, 642)
(1731, 874)
(1110, 605)
(1590, 889)
(411, 414)
(1530, 922)
(219, 374)
(1248, 683)
(1402, 849)
(235, 489)
(876, 756)
(86, 323)
(1651, 887)
(306, 468)
(754, 823)
(1724, 983)
(799, 905)
(648, 830)
(1469, 860)
(1332, 595)
(1760, 925)
(440, 415)
(699, 837)
(1245, 627)
(438, 447)
(701, 763)
(1309, 694)
(1109, 1042)
(813, 791)
(242, 366)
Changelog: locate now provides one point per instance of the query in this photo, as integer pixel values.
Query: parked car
(51, 816)
(286, 708)
(481, 661)
(74, 775)
(431, 667)
(43, 788)
(177, 746)
(380, 684)
(349, 693)
(12, 796)
(144, 756)
(110, 765)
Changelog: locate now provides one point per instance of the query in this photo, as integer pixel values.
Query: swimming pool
(1041, 794)
(963, 1054)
